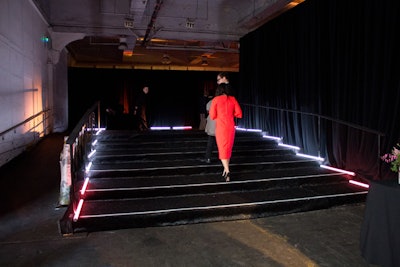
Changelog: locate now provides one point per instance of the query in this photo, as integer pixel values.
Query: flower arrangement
(393, 158)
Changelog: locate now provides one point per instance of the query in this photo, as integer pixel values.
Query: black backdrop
(339, 59)
(173, 99)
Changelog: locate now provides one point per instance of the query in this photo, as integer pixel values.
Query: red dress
(223, 110)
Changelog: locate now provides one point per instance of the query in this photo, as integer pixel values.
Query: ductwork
(152, 22)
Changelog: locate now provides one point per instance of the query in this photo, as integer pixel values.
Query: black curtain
(173, 100)
(339, 60)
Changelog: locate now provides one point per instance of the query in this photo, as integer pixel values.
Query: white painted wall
(28, 79)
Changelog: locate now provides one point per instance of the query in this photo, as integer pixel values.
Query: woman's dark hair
(222, 89)
(224, 75)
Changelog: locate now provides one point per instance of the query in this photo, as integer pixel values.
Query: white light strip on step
(289, 146)
(100, 130)
(87, 169)
(310, 157)
(221, 206)
(182, 128)
(240, 129)
(337, 170)
(254, 130)
(85, 184)
(92, 153)
(248, 130)
(160, 128)
(273, 138)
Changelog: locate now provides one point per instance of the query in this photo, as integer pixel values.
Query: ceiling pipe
(150, 26)
(188, 48)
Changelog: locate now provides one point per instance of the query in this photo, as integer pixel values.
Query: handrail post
(78, 142)
(98, 115)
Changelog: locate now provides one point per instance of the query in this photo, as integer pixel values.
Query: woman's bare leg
(225, 163)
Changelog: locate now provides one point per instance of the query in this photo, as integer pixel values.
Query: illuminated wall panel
(23, 71)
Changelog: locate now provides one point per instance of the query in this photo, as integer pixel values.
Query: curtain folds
(337, 60)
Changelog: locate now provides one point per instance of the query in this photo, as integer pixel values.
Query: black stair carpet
(158, 178)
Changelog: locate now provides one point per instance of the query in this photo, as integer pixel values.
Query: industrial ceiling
(158, 34)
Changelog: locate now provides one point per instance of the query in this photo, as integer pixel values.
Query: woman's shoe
(224, 173)
(227, 177)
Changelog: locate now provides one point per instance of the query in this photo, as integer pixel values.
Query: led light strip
(248, 130)
(85, 184)
(160, 128)
(311, 157)
(182, 128)
(91, 153)
(273, 138)
(171, 128)
(100, 130)
(289, 146)
(337, 170)
(87, 169)
(359, 183)
(78, 210)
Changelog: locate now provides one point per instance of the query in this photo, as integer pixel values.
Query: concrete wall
(28, 76)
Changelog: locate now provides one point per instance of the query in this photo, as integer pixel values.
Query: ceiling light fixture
(122, 43)
(166, 59)
(123, 46)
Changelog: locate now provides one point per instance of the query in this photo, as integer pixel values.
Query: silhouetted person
(140, 109)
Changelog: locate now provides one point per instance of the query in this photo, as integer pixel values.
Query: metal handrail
(319, 117)
(75, 132)
(24, 122)
(353, 125)
(78, 142)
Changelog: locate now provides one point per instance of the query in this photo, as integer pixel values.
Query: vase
(398, 177)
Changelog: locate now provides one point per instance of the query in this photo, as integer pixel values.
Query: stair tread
(218, 200)
(171, 181)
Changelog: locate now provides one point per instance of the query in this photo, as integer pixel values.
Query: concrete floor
(29, 234)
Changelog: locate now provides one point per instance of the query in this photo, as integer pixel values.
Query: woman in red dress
(224, 108)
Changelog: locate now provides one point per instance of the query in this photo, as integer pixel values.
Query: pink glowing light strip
(337, 170)
(359, 184)
(182, 128)
(78, 210)
(85, 184)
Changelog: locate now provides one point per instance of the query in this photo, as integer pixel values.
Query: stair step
(157, 178)
(126, 188)
(211, 207)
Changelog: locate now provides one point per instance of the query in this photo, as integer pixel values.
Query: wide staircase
(158, 178)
